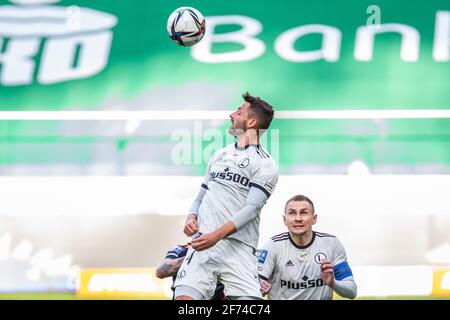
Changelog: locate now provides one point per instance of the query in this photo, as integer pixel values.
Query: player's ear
(251, 123)
(314, 218)
(284, 220)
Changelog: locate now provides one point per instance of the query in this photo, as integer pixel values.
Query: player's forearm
(253, 204)
(191, 215)
(345, 288)
(244, 216)
(224, 231)
(168, 268)
(198, 201)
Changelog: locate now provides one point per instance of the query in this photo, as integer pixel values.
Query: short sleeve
(266, 260)
(341, 267)
(265, 176)
(339, 252)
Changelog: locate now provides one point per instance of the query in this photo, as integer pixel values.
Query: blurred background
(106, 128)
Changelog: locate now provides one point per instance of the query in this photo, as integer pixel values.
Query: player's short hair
(260, 109)
(300, 197)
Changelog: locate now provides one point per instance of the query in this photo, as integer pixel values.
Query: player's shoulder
(279, 239)
(324, 235)
(261, 152)
(220, 152)
(261, 158)
(276, 240)
(327, 238)
(262, 155)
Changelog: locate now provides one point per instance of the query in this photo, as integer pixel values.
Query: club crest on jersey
(243, 163)
(319, 256)
(302, 255)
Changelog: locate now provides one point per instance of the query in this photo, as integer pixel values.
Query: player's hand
(265, 286)
(205, 241)
(191, 226)
(326, 272)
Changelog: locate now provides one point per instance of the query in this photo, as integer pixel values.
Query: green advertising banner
(109, 55)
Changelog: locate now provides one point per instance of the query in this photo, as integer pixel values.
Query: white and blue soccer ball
(186, 26)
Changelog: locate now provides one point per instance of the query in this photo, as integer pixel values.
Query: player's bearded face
(299, 217)
(239, 120)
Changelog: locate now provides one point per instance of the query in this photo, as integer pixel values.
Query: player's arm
(254, 202)
(191, 226)
(265, 285)
(169, 267)
(346, 287)
(266, 266)
(172, 262)
(261, 187)
(339, 276)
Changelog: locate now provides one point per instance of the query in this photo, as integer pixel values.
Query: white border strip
(220, 115)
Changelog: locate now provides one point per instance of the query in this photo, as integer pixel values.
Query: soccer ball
(186, 26)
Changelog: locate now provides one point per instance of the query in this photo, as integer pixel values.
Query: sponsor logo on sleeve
(269, 186)
(262, 255)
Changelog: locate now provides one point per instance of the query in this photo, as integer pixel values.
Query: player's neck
(247, 139)
(302, 239)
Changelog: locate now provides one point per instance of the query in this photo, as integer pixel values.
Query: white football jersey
(294, 271)
(231, 172)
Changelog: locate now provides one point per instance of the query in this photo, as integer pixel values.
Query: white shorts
(230, 262)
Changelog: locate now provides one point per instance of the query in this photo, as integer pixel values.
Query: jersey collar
(305, 246)
(246, 147)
